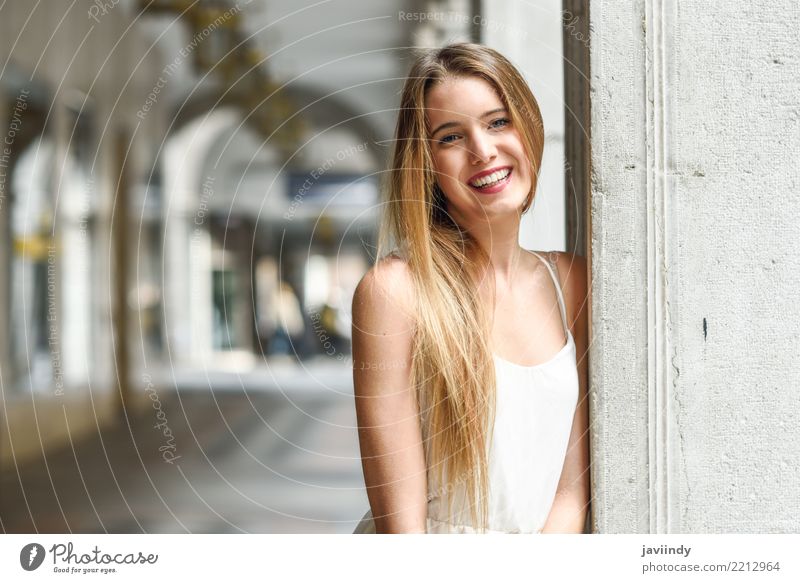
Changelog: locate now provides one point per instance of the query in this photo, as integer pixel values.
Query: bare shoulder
(384, 325)
(387, 412)
(386, 290)
(574, 278)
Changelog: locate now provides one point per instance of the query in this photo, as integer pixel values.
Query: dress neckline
(558, 355)
(563, 311)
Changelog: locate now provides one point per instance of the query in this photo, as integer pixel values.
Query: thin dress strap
(561, 304)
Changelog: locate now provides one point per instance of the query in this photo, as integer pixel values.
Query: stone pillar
(695, 128)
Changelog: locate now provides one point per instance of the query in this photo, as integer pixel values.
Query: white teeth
(491, 178)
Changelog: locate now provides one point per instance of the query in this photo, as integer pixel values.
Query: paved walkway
(254, 461)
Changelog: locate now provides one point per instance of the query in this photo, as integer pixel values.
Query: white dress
(535, 406)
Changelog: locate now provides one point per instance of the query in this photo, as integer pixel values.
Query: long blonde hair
(452, 366)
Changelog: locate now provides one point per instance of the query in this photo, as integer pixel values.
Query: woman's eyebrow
(451, 124)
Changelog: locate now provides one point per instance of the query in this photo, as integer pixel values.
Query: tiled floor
(255, 461)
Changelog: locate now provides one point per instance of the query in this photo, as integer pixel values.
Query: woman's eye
(447, 139)
(499, 123)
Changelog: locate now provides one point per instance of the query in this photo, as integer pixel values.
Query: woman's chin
(511, 205)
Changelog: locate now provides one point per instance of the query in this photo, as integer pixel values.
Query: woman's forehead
(461, 96)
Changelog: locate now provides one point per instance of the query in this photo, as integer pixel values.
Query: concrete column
(120, 254)
(695, 209)
(189, 193)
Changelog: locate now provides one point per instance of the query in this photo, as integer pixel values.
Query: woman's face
(479, 160)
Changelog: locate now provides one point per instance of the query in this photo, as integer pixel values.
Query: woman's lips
(494, 188)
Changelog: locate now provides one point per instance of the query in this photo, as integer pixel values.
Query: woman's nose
(481, 149)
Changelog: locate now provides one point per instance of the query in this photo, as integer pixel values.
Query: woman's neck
(500, 241)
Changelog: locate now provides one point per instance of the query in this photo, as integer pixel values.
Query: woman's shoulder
(557, 258)
(387, 285)
(573, 275)
(389, 273)
(564, 259)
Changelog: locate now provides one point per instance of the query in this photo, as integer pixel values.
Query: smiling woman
(472, 131)
(457, 438)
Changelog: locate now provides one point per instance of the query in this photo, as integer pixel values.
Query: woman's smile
(491, 181)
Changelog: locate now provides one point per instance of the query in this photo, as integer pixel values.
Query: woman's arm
(386, 406)
(571, 504)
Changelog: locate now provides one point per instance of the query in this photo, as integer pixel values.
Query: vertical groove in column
(660, 379)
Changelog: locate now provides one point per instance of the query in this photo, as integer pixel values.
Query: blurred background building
(189, 194)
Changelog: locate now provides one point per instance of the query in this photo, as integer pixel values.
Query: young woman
(470, 352)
